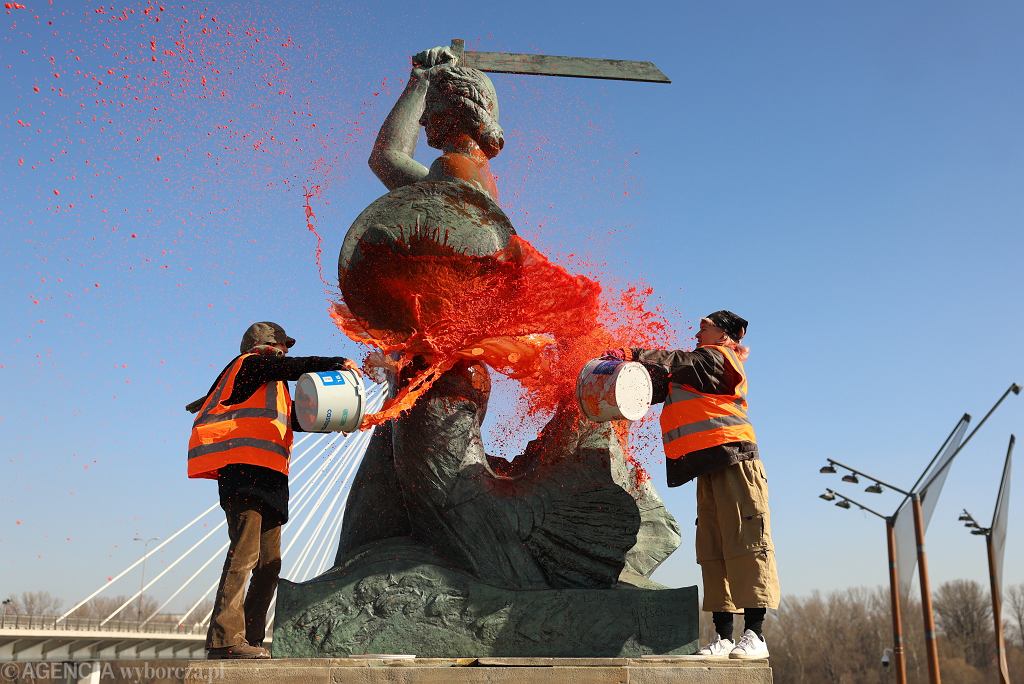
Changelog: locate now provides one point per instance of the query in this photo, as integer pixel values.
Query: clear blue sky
(849, 177)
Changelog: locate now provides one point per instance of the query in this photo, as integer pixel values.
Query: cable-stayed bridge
(182, 569)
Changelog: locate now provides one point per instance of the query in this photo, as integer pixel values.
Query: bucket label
(605, 368)
(332, 377)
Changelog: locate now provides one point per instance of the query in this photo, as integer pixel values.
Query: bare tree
(855, 624)
(1013, 610)
(965, 618)
(100, 607)
(206, 606)
(35, 603)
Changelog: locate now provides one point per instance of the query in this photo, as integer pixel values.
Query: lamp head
(829, 495)
(873, 489)
(827, 469)
(851, 478)
(843, 504)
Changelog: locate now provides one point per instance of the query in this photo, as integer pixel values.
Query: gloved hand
(341, 363)
(617, 353)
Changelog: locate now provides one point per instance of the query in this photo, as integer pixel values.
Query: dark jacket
(243, 485)
(705, 370)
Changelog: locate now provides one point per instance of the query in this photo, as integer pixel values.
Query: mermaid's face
(442, 126)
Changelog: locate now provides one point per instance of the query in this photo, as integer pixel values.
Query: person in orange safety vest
(242, 437)
(708, 436)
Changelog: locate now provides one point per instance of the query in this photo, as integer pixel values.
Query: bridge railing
(73, 624)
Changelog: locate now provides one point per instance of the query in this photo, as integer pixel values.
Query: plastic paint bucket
(609, 389)
(330, 401)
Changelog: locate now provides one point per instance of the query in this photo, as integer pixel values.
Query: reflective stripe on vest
(256, 431)
(692, 420)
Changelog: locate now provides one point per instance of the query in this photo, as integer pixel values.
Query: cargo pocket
(753, 527)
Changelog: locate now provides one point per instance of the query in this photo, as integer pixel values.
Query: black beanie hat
(734, 326)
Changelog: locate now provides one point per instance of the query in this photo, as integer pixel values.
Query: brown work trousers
(734, 539)
(240, 616)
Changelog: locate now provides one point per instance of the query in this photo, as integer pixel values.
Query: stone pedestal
(392, 602)
(677, 670)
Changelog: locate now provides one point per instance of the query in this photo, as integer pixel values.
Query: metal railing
(160, 624)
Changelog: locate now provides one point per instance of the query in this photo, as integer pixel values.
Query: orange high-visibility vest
(257, 431)
(693, 420)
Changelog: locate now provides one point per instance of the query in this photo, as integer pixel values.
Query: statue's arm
(392, 156)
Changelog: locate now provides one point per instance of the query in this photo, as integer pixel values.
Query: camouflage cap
(264, 332)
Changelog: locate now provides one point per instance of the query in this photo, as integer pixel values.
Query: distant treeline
(45, 604)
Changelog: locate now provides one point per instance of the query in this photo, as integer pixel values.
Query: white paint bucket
(610, 389)
(330, 401)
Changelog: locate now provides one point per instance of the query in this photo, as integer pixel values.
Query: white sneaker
(719, 648)
(750, 647)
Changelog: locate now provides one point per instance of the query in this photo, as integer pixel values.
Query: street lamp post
(915, 495)
(930, 640)
(142, 580)
(894, 582)
(3, 620)
(993, 572)
(997, 604)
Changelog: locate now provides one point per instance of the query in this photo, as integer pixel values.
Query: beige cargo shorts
(734, 539)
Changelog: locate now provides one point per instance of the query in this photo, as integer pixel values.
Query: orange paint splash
(522, 315)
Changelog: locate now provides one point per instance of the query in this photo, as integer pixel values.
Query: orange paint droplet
(17, 522)
(158, 157)
(134, 235)
(23, 124)
(95, 284)
(35, 88)
(56, 192)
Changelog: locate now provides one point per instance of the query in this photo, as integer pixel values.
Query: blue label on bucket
(605, 368)
(332, 378)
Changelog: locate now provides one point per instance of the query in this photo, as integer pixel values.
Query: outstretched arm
(702, 369)
(392, 157)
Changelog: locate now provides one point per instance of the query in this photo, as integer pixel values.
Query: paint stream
(308, 194)
(522, 315)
